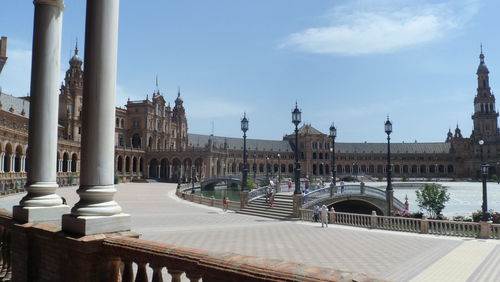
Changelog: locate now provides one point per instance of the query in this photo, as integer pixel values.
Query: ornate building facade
(152, 141)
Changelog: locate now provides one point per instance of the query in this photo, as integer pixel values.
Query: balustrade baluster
(128, 272)
(141, 275)
(193, 276)
(157, 276)
(176, 274)
(115, 264)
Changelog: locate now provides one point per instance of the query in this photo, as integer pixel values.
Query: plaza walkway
(160, 216)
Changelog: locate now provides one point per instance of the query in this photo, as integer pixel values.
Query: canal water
(465, 197)
(220, 192)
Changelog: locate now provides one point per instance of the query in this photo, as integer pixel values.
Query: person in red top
(224, 204)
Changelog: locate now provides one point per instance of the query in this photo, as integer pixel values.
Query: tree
(432, 198)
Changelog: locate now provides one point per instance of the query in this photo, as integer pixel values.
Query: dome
(482, 68)
(76, 60)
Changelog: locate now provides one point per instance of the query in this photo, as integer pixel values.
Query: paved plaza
(160, 216)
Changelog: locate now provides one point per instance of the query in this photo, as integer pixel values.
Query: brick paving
(160, 216)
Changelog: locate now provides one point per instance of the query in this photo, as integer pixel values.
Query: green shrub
(494, 177)
(432, 198)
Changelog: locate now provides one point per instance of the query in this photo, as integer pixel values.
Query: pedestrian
(289, 185)
(341, 186)
(324, 216)
(224, 204)
(63, 200)
(271, 198)
(316, 213)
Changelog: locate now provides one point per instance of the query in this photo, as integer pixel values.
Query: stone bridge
(209, 184)
(353, 199)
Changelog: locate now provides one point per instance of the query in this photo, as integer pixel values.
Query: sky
(348, 62)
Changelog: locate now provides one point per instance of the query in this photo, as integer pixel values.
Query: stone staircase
(282, 208)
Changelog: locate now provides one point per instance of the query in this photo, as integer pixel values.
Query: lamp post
(193, 173)
(279, 168)
(333, 135)
(355, 170)
(244, 128)
(178, 177)
(296, 116)
(389, 192)
(484, 175)
(267, 167)
(254, 166)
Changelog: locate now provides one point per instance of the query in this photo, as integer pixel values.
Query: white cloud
(364, 27)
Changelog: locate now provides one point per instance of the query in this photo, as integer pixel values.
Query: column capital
(57, 3)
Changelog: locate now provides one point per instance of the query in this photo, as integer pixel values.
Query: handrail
(208, 265)
(350, 189)
(415, 225)
(257, 193)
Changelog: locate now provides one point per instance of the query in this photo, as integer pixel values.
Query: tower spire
(481, 56)
(76, 46)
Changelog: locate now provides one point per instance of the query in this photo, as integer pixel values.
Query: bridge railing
(404, 224)
(257, 193)
(327, 192)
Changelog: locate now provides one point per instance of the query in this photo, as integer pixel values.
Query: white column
(97, 212)
(68, 166)
(23, 164)
(41, 203)
(77, 166)
(12, 162)
(2, 159)
(159, 169)
(59, 165)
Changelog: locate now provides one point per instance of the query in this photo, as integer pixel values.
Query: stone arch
(451, 169)
(127, 164)
(321, 169)
(290, 168)
(18, 158)
(198, 163)
(65, 162)
(261, 168)
(136, 140)
(134, 165)
(153, 168)
(119, 164)
(356, 205)
(164, 168)
(380, 169)
(315, 169)
(405, 169)
(7, 165)
(74, 160)
(141, 165)
(176, 169)
(441, 168)
(423, 169)
(122, 123)
(275, 168)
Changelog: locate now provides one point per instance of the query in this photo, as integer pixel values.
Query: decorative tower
(70, 99)
(485, 114)
(179, 117)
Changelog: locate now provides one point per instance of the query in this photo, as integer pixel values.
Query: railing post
(243, 199)
(333, 216)
(193, 276)
(176, 274)
(141, 275)
(373, 220)
(424, 225)
(485, 231)
(157, 277)
(297, 204)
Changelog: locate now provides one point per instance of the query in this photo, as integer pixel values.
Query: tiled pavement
(159, 216)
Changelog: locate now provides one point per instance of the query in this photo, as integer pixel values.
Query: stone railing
(495, 231)
(208, 201)
(209, 266)
(484, 230)
(5, 231)
(321, 194)
(257, 193)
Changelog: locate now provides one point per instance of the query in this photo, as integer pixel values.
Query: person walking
(271, 198)
(341, 186)
(324, 216)
(224, 204)
(316, 213)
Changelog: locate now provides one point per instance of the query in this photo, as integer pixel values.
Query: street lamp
(244, 128)
(279, 168)
(484, 174)
(389, 192)
(355, 170)
(267, 167)
(296, 116)
(333, 135)
(193, 173)
(254, 166)
(178, 177)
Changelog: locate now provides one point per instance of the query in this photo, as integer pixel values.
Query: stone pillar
(373, 220)
(2, 160)
(97, 212)
(12, 163)
(41, 203)
(77, 166)
(23, 164)
(147, 171)
(59, 165)
(159, 170)
(485, 229)
(297, 205)
(68, 166)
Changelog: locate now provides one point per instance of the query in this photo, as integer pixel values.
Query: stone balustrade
(208, 201)
(206, 265)
(484, 230)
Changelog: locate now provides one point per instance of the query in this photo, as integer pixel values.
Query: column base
(89, 225)
(39, 214)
